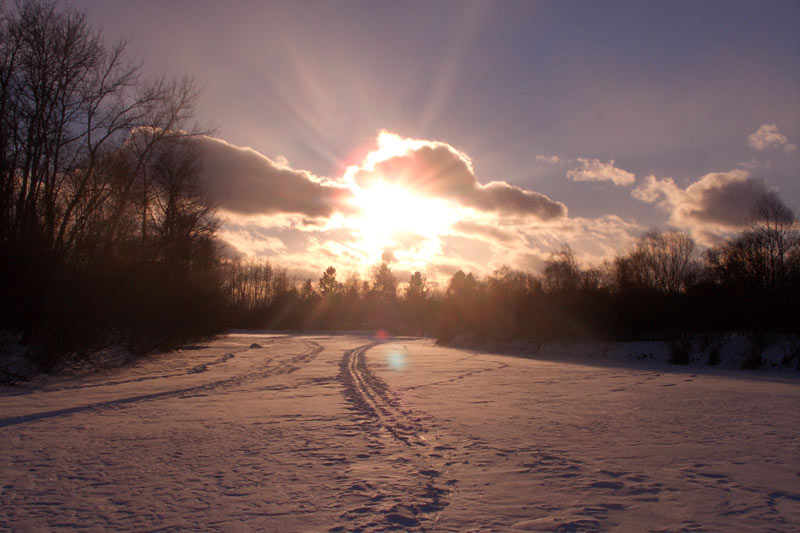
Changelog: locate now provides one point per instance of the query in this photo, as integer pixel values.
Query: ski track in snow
(327, 433)
(284, 367)
(370, 395)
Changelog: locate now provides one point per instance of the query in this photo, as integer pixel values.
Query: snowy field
(342, 433)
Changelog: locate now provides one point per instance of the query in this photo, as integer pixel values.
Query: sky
(438, 136)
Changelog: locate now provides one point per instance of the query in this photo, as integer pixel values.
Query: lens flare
(396, 359)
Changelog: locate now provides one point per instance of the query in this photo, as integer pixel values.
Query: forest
(108, 237)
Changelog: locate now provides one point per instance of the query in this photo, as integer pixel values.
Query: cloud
(409, 239)
(308, 226)
(712, 206)
(584, 169)
(241, 180)
(768, 137)
(436, 169)
(474, 228)
(252, 241)
(593, 239)
(552, 159)
(596, 170)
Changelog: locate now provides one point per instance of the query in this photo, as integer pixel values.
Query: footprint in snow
(613, 485)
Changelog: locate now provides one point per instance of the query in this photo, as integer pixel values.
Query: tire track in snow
(370, 395)
(284, 367)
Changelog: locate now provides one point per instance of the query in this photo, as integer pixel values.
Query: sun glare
(392, 217)
(388, 209)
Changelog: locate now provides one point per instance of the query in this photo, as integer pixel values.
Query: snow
(320, 432)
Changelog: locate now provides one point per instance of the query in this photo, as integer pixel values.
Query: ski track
(284, 367)
(202, 367)
(370, 396)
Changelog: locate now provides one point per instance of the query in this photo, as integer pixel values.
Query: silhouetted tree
(774, 227)
(416, 306)
(764, 254)
(307, 293)
(327, 283)
(661, 261)
(384, 283)
(382, 304)
(417, 289)
(561, 271)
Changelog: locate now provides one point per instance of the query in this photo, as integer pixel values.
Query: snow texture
(343, 433)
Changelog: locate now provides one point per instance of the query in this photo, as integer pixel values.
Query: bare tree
(561, 271)
(184, 218)
(774, 228)
(766, 254)
(68, 101)
(661, 260)
(99, 188)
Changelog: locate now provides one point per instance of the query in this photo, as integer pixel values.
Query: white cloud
(596, 170)
(768, 137)
(551, 159)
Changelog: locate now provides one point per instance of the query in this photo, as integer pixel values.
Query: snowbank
(732, 351)
(16, 366)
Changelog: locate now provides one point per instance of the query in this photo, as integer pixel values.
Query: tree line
(660, 288)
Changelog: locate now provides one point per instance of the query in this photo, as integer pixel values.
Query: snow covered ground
(319, 433)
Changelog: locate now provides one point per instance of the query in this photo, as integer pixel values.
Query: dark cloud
(228, 250)
(241, 180)
(722, 199)
(505, 198)
(436, 169)
(719, 198)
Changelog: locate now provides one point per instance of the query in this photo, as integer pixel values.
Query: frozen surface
(317, 433)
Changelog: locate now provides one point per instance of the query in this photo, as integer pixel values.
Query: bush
(680, 352)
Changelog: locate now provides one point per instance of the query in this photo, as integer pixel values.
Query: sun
(388, 209)
(391, 216)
